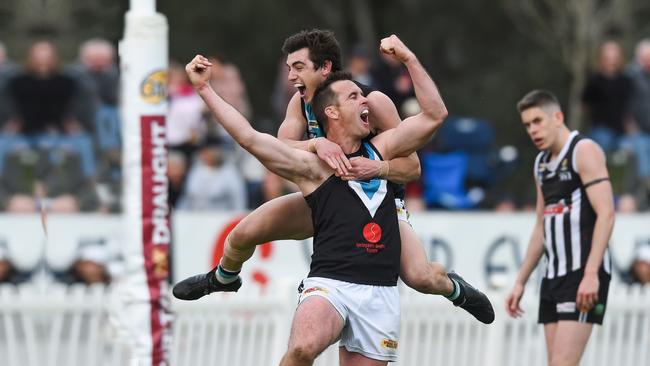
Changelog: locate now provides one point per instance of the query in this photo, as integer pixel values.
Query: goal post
(143, 294)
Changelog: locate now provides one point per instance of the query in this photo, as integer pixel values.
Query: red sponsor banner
(156, 233)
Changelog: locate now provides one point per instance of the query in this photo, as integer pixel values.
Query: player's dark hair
(537, 98)
(322, 46)
(324, 96)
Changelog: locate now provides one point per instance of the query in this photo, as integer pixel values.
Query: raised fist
(198, 70)
(395, 48)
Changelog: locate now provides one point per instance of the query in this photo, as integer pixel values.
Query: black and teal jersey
(314, 130)
(356, 234)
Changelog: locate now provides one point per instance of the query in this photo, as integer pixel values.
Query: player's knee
(240, 237)
(302, 353)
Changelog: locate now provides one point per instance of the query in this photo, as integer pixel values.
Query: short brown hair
(537, 98)
(322, 46)
(324, 96)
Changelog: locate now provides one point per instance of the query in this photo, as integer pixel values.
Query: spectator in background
(185, 124)
(176, 173)
(225, 78)
(639, 271)
(606, 97)
(42, 95)
(213, 183)
(44, 121)
(8, 271)
(90, 266)
(7, 70)
(283, 90)
(98, 79)
(392, 78)
(60, 180)
(639, 139)
(359, 66)
(96, 104)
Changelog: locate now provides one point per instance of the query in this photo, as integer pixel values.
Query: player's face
(542, 125)
(353, 108)
(303, 73)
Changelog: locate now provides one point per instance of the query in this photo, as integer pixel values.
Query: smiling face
(351, 109)
(543, 125)
(304, 75)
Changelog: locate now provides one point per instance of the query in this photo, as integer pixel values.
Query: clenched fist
(198, 70)
(395, 48)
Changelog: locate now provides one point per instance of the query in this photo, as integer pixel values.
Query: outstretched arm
(415, 131)
(274, 154)
(533, 254)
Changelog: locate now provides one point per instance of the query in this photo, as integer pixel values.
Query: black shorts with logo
(558, 299)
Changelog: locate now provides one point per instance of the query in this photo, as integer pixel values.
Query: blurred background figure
(185, 123)
(638, 140)
(8, 271)
(60, 179)
(7, 70)
(44, 135)
(42, 95)
(96, 103)
(176, 173)
(639, 271)
(213, 182)
(283, 90)
(606, 97)
(359, 65)
(391, 77)
(90, 266)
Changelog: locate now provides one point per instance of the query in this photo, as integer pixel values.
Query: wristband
(384, 168)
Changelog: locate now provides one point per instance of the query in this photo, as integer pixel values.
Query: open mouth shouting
(364, 116)
(301, 88)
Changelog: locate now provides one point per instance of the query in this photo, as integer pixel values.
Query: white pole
(144, 294)
(142, 6)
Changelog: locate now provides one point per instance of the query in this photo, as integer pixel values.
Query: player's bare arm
(590, 161)
(534, 253)
(293, 128)
(401, 170)
(414, 131)
(299, 166)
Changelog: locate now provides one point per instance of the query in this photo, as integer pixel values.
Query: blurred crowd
(60, 144)
(616, 102)
(91, 263)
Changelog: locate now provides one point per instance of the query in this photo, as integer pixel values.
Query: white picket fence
(71, 326)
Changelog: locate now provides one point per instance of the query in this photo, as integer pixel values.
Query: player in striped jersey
(575, 217)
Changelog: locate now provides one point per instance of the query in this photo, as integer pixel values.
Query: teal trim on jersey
(313, 128)
(371, 186)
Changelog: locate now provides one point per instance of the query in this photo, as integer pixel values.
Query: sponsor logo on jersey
(313, 290)
(389, 343)
(565, 307)
(372, 232)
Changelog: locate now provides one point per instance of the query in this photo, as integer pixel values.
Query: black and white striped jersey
(569, 218)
